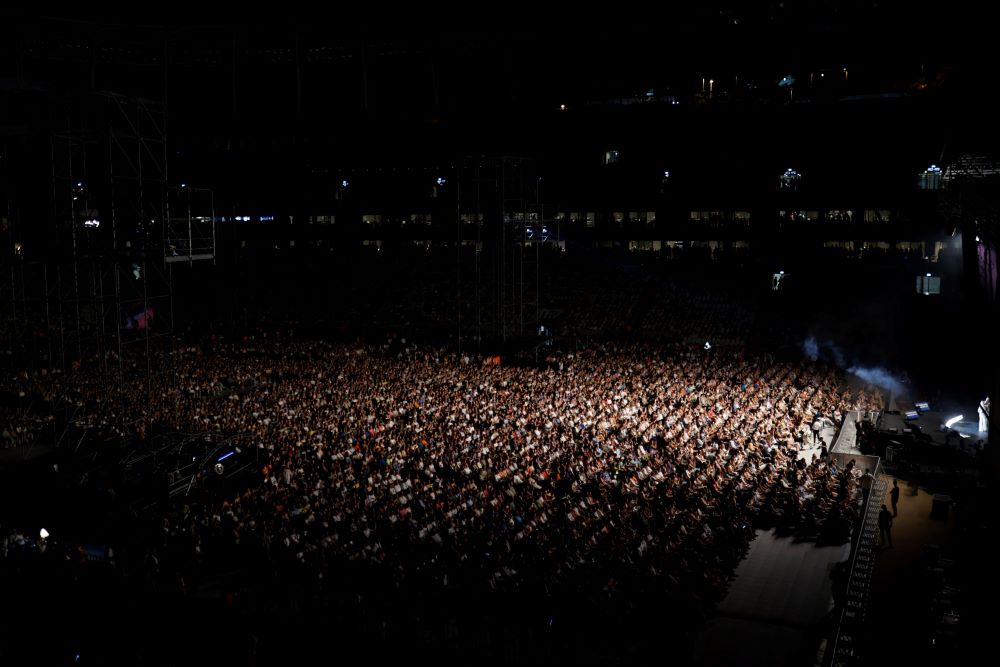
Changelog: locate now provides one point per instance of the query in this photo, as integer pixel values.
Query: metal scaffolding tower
(90, 234)
(500, 231)
(971, 205)
(97, 289)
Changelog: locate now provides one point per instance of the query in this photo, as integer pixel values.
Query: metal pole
(458, 252)
(190, 236)
(212, 200)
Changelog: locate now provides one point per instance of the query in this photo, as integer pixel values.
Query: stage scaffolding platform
(93, 229)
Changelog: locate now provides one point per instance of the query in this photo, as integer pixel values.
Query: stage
(935, 428)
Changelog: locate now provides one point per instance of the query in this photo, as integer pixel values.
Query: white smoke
(829, 352)
(878, 376)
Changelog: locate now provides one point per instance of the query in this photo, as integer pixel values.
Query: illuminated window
(877, 215)
(838, 216)
(706, 216)
(790, 180)
(520, 217)
(930, 178)
(799, 216)
(928, 284)
(640, 217)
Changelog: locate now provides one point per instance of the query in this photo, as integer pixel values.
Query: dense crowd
(621, 472)
(619, 467)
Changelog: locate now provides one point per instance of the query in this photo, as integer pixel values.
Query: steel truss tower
(972, 205)
(500, 231)
(91, 287)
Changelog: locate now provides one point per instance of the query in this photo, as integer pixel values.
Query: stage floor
(929, 424)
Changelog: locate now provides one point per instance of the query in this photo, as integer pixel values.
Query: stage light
(562, 107)
(977, 239)
(928, 275)
(951, 422)
(708, 346)
(440, 181)
(184, 185)
(44, 534)
(343, 183)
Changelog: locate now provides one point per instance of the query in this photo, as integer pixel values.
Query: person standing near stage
(817, 426)
(894, 495)
(885, 527)
(867, 482)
